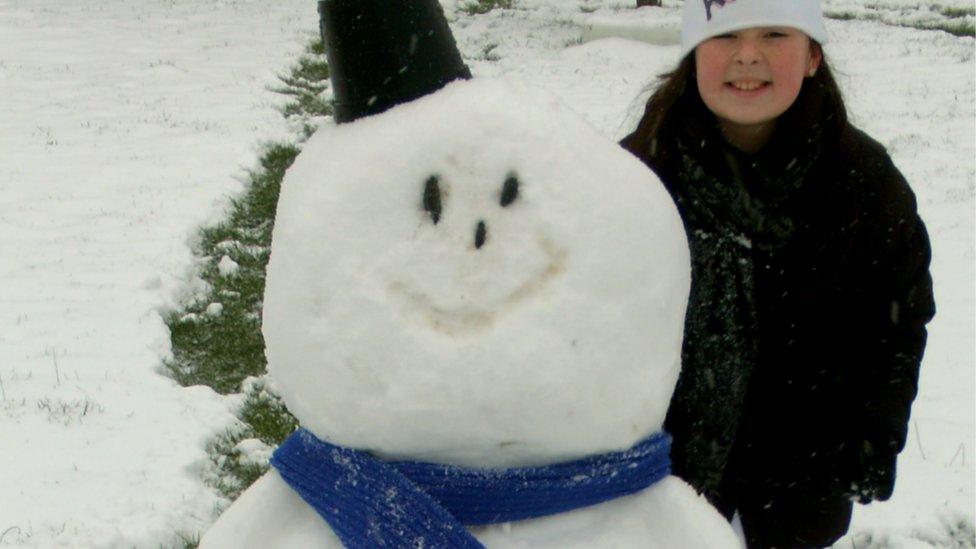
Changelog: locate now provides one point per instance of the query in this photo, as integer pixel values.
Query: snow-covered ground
(126, 123)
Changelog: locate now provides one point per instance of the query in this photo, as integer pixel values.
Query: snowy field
(127, 124)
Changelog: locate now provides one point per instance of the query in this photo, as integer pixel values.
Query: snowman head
(476, 277)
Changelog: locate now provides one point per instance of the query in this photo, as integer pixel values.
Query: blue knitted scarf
(372, 503)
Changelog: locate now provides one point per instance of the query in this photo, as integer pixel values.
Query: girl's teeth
(747, 86)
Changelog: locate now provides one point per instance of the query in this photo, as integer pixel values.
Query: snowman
(474, 307)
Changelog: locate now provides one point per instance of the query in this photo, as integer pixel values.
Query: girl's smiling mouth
(748, 86)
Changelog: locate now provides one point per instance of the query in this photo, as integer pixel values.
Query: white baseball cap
(703, 19)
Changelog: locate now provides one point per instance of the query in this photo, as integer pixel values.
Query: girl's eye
(724, 36)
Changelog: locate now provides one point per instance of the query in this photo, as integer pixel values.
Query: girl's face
(748, 78)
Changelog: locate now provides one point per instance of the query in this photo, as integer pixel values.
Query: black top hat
(386, 52)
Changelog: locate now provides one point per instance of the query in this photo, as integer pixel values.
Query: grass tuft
(479, 7)
(956, 27)
(957, 11)
(240, 455)
(307, 83)
(216, 338)
(187, 541)
(216, 334)
(955, 21)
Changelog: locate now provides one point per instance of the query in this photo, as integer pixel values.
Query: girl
(810, 284)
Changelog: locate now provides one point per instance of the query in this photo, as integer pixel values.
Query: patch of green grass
(841, 15)
(957, 11)
(955, 24)
(216, 334)
(187, 541)
(266, 416)
(488, 52)
(479, 7)
(956, 27)
(216, 338)
(263, 417)
(305, 84)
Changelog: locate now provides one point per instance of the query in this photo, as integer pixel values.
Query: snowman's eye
(432, 198)
(510, 190)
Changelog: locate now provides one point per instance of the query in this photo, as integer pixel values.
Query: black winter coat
(840, 313)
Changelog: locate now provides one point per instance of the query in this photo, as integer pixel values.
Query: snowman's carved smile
(467, 309)
(476, 315)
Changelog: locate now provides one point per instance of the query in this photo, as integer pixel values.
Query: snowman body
(477, 278)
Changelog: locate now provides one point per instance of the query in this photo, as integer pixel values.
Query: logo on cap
(710, 3)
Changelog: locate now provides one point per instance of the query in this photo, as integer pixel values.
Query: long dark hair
(676, 100)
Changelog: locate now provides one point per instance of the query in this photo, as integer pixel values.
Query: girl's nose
(748, 53)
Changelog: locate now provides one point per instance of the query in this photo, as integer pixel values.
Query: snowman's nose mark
(480, 234)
